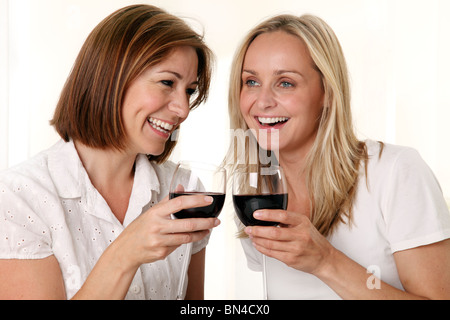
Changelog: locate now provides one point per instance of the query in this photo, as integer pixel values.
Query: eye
(286, 84)
(252, 83)
(168, 83)
(190, 91)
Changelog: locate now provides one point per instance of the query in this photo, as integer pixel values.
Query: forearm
(352, 281)
(196, 275)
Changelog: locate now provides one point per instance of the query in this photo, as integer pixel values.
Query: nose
(265, 98)
(179, 104)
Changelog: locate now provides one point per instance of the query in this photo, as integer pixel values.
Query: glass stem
(264, 278)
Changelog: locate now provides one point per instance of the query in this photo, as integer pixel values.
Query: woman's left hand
(296, 242)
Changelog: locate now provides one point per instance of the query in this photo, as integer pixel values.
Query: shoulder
(34, 171)
(410, 198)
(389, 154)
(386, 159)
(400, 174)
(28, 205)
(392, 168)
(30, 181)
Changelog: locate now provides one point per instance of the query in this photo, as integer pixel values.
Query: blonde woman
(89, 218)
(365, 220)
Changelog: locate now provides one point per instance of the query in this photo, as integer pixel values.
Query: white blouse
(48, 206)
(398, 206)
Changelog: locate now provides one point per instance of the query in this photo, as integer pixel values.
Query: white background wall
(397, 51)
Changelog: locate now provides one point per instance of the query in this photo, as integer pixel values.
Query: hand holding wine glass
(154, 234)
(253, 193)
(194, 178)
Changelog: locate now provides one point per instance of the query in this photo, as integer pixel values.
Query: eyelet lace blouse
(48, 206)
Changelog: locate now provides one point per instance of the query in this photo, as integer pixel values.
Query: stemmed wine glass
(254, 188)
(193, 178)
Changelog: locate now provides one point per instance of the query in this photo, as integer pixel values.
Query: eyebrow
(280, 72)
(250, 71)
(276, 73)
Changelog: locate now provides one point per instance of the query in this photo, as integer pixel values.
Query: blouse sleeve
(23, 235)
(414, 209)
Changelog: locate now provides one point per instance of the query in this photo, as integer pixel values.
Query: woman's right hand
(150, 237)
(154, 234)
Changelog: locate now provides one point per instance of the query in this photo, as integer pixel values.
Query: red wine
(245, 205)
(211, 211)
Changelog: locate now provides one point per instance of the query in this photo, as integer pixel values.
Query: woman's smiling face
(157, 101)
(281, 92)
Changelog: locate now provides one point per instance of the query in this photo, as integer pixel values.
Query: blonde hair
(333, 162)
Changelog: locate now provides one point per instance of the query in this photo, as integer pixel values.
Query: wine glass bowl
(193, 178)
(258, 188)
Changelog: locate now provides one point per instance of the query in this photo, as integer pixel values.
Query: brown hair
(117, 51)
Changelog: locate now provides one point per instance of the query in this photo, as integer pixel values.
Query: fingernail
(209, 199)
(248, 230)
(257, 214)
(217, 222)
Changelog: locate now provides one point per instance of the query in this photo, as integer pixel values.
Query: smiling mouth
(160, 125)
(272, 121)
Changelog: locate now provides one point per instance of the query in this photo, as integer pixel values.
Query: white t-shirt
(48, 206)
(400, 206)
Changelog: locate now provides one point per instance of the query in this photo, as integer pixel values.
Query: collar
(72, 181)
(145, 181)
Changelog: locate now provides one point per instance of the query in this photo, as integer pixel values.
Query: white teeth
(272, 120)
(160, 125)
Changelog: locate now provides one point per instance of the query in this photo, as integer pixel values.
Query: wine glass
(194, 178)
(254, 188)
